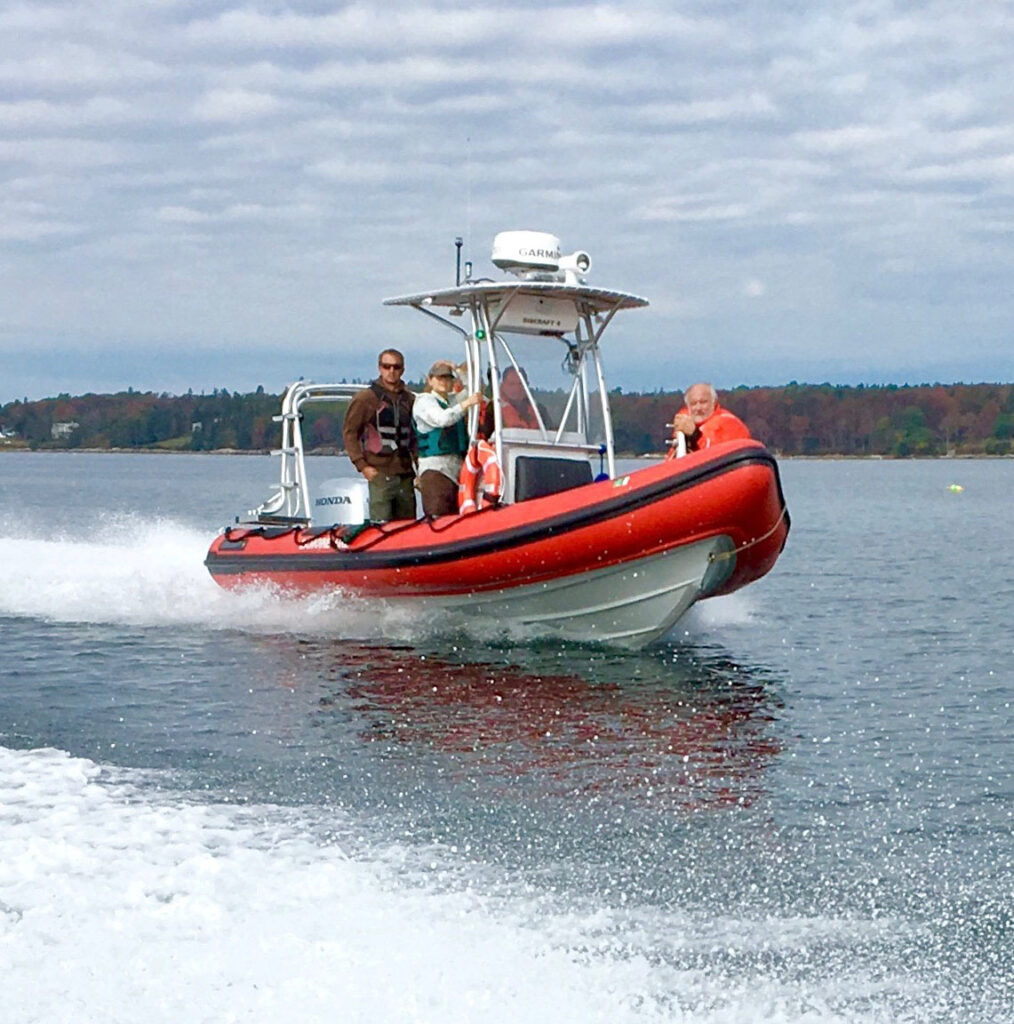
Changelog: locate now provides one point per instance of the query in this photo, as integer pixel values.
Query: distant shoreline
(927, 421)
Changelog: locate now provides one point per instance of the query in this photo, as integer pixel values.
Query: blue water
(236, 807)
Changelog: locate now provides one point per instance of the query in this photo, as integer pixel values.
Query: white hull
(630, 604)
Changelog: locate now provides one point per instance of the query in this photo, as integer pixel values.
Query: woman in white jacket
(443, 439)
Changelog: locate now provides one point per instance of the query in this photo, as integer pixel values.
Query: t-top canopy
(550, 299)
(592, 300)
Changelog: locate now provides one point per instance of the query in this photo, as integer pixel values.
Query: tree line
(793, 419)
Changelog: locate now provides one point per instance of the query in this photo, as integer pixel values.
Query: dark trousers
(439, 494)
(391, 497)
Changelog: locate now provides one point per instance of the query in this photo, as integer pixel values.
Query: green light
(480, 335)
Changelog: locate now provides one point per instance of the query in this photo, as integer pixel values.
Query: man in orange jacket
(704, 422)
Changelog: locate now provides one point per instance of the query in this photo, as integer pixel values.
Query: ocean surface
(219, 808)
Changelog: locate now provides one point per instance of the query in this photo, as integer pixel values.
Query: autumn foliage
(795, 419)
(823, 419)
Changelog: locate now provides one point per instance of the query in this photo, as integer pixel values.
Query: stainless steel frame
(291, 502)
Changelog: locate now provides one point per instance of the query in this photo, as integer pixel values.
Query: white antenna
(468, 197)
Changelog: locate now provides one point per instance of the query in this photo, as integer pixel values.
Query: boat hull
(629, 604)
(617, 560)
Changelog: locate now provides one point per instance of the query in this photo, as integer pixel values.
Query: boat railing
(291, 502)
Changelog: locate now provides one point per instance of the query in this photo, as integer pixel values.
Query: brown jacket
(378, 430)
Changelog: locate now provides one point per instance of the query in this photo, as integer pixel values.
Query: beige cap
(441, 368)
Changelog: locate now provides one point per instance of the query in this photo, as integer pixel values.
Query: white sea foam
(115, 909)
(123, 904)
(146, 573)
(739, 609)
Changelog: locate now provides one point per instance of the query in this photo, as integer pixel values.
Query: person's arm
(357, 415)
(683, 423)
(487, 419)
(429, 414)
(425, 413)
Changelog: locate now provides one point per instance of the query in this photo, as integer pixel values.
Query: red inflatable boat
(618, 558)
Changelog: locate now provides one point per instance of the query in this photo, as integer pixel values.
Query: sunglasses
(392, 366)
(444, 376)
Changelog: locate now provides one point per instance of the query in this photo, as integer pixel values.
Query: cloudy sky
(197, 193)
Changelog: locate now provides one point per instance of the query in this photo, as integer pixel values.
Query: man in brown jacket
(380, 440)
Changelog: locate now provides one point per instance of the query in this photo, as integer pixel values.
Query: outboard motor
(337, 501)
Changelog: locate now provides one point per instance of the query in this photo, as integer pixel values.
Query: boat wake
(133, 571)
(130, 570)
(739, 609)
(159, 905)
(155, 902)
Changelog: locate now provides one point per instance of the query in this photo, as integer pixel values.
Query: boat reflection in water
(687, 728)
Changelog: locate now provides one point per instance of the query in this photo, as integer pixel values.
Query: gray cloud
(212, 194)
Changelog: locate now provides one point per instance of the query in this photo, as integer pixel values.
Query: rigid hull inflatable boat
(616, 557)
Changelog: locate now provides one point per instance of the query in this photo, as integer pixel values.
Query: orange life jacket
(720, 426)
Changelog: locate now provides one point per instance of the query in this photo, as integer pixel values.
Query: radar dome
(523, 251)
